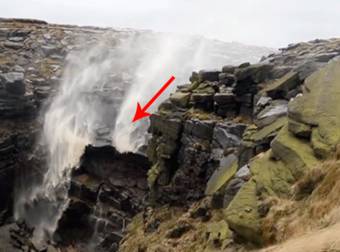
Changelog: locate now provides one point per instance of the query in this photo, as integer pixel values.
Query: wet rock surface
(32, 60)
(107, 190)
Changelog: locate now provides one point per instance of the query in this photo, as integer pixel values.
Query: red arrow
(142, 112)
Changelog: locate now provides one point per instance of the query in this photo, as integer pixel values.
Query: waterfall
(98, 92)
(165, 55)
(70, 123)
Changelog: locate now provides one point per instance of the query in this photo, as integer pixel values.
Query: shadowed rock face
(106, 191)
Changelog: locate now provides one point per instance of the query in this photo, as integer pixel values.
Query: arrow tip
(140, 113)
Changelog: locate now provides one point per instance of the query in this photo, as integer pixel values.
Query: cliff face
(239, 158)
(231, 146)
(108, 188)
(32, 61)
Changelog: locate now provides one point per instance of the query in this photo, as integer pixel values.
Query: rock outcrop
(221, 145)
(236, 137)
(110, 187)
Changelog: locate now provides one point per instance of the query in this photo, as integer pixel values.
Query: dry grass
(195, 239)
(315, 205)
(305, 186)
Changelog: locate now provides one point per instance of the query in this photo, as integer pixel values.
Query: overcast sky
(271, 23)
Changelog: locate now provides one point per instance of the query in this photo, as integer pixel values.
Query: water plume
(96, 101)
(70, 123)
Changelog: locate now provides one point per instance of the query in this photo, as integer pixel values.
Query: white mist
(100, 88)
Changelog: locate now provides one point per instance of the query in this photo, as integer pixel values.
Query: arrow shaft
(160, 91)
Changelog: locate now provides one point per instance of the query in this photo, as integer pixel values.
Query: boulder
(262, 102)
(222, 175)
(296, 153)
(168, 127)
(272, 175)
(227, 135)
(200, 129)
(204, 75)
(224, 98)
(271, 113)
(242, 213)
(280, 88)
(231, 189)
(299, 129)
(256, 73)
(319, 107)
(205, 88)
(226, 105)
(180, 99)
(266, 134)
(203, 100)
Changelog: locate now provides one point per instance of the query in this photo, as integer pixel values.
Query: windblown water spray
(98, 93)
(70, 123)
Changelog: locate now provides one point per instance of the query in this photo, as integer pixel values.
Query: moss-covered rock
(242, 213)
(204, 88)
(268, 131)
(256, 72)
(299, 129)
(218, 234)
(273, 175)
(180, 99)
(319, 107)
(321, 149)
(170, 127)
(296, 153)
(153, 173)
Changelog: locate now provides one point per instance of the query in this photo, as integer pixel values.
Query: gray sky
(271, 23)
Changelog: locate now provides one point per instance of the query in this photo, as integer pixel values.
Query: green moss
(268, 130)
(299, 129)
(218, 233)
(273, 175)
(180, 99)
(297, 154)
(153, 174)
(319, 105)
(249, 132)
(242, 215)
(321, 149)
(205, 88)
